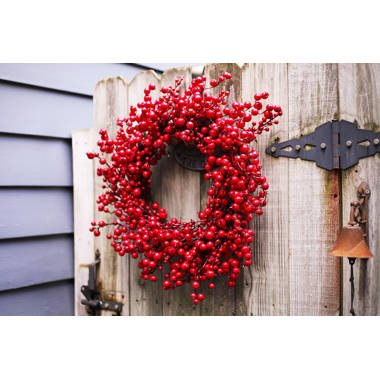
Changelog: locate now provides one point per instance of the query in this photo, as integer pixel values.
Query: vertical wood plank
(266, 282)
(313, 196)
(145, 296)
(207, 306)
(83, 181)
(223, 300)
(110, 103)
(180, 196)
(359, 99)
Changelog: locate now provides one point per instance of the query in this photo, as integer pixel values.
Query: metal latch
(93, 300)
(333, 145)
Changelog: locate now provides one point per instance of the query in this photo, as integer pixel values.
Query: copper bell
(351, 243)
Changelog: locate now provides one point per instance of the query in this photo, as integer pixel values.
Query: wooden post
(313, 196)
(359, 100)
(223, 300)
(110, 103)
(266, 282)
(180, 197)
(83, 181)
(292, 274)
(145, 296)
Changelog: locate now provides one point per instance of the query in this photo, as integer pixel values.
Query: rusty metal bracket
(359, 209)
(93, 299)
(333, 145)
(358, 216)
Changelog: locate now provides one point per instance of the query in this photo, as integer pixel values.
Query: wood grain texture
(83, 178)
(359, 99)
(110, 103)
(223, 300)
(266, 282)
(145, 296)
(180, 196)
(207, 306)
(313, 196)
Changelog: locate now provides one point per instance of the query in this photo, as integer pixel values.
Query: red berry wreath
(219, 242)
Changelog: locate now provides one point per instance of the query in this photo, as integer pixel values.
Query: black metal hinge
(333, 145)
(93, 299)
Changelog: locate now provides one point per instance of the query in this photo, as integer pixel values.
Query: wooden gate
(292, 273)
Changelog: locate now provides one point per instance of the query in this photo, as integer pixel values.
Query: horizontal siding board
(35, 211)
(79, 78)
(31, 161)
(33, 111)
(48, 299)
(31, 261)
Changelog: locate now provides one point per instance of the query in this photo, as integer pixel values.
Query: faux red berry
(195, 284)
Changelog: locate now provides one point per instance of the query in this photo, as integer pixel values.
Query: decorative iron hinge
(333, 145)
(93, 299)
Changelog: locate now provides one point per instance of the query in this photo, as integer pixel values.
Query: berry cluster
(219, 242)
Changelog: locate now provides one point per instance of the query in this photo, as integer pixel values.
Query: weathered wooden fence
(292, 273)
